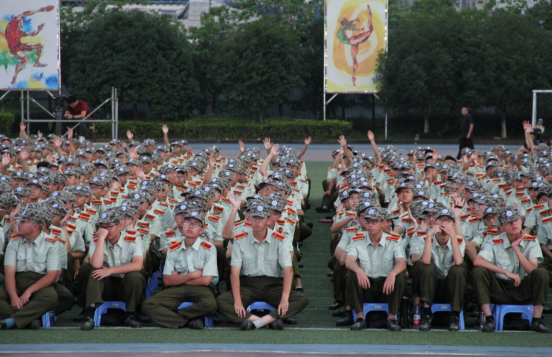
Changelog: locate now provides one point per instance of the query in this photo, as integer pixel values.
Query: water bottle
(482, 319)
(417, 316)
(327, 220)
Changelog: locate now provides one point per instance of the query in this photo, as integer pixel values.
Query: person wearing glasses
(377, 262)
(442, 274)
(189, 275)
(117, 259)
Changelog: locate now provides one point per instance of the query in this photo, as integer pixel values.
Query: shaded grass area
(318, 289)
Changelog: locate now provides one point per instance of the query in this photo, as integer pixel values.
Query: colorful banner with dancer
(356, 34)
(29, 45)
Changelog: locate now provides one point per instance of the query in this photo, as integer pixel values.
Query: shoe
(79, 317)
(3, 325)
(300, 265)
(145, 319)
(298, 288)
(538, 326)
(346, 320)
(489, 326)
(392, 325)
(425, 325)
(340, 312)
(547, 310)
(329, 275)
(322, 210)
(88, 324)
(247, 325)
(310, 225)
(359, 325)
(35, 324)
(336, 305)
(277, 325)
(196, 324)
(131, 322)
(454, 323)
(289, 321)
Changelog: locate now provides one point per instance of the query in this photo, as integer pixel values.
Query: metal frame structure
(534, 111)
(26, 101)
(325, 103)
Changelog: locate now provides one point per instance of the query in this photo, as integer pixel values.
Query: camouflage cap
(347, 193)
(404, 185)
(277, 201)
(121, 170)
(443, 211)
(140, 196)
(284, 186)
(56, 207)
(508, 214)
(204, 193)
(193, 212)
(259, 208)
(136, 162)
(43, 186)
(81, 190)
(32, 213)
(375, 213)
(6, 179)
(65, 196)
(8, 200)
(99, 180)
(199, 205)
(364, 204)
(111, 215)
(491, 210)
(149, 187)
(5, 187)
(73, 171)
(18, 175)
(130, 208)
(180, 207)
(22, 191)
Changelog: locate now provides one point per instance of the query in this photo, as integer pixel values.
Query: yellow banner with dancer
(356, 32)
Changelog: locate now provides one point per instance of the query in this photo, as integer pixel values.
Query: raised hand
(24, 154)
(342, 141)
(308, 140)
(70, 133)
(39, 134)
(165, 129)
(212, 161)
(6, 159)
(130, 135)
(22, 126)
(370, 135)
(57, 142)
(274, 150)
(266, 143)
(133, 153)
(242, 146)
(235, 203)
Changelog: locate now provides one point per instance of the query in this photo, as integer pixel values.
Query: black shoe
(145, 319)
(454, 323)
(310, 225)
(197, 324)
(346, 320)
(340, 312)
(392, 325)
(131, 321)
(289, 321)
(247, 325)
(79, 317)
(300, 265)
(322, 210)
(277, 325)
(35, 324)
(336, 305)
(538, 326)
(88, 324)
(298, 288)
(490, 326)
(359, 325)
(329, 275)
(426, 323)
(3, 325)
(547, 310)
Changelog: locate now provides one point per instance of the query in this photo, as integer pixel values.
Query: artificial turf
(318, 289)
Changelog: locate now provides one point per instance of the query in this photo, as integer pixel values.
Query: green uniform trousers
(339, 279)
(41, 301)
(328, 200)
(261, 288)
(69, 273)
(547, 265)
(221, 260)
(375, 292)
(82, 283)
(161, 306)
(66, 300)
(450, 290)
(490, 289)
(129, 289)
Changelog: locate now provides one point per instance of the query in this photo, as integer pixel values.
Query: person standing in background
(466, 129)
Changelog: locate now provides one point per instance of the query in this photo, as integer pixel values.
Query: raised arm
(374, 146)
(165, 129)
(304, 149)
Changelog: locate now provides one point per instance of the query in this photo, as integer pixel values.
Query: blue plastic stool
(48, 319)
(154, 282)
(102, 309)
(446, 308)
(260, 305)
(501, 311)
(368, 307)
(149, 289)
(208, 319)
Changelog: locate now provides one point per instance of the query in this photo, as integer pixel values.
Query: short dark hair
(71, 99)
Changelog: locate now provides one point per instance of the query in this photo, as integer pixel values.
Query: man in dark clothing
(466, 129)
(76, 110)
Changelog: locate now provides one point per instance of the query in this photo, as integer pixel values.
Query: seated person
(189, 275)
(32, 267)
(506, 271)
(377, 263)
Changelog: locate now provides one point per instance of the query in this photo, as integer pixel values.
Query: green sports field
(316, 325)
